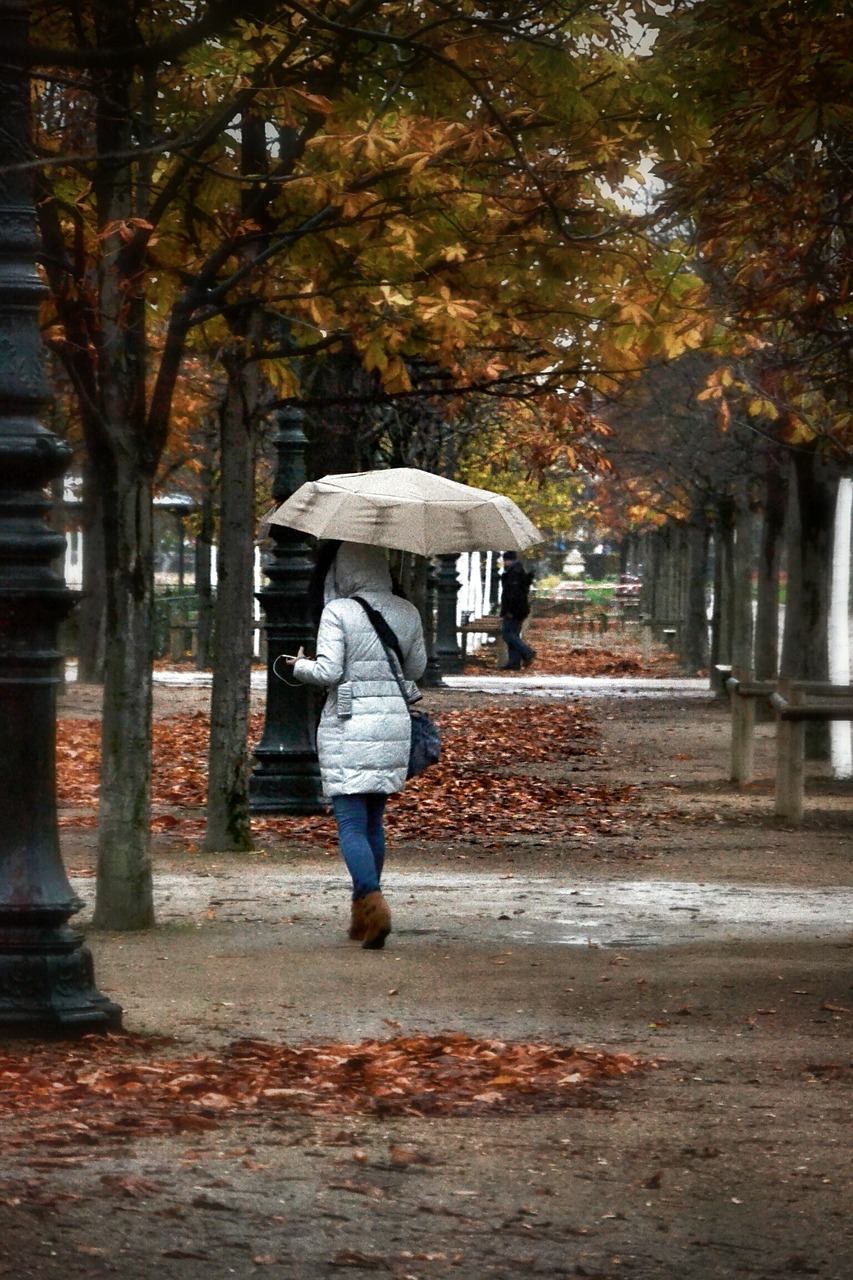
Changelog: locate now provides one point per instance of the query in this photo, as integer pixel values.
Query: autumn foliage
(119, 1086)
(476, 789)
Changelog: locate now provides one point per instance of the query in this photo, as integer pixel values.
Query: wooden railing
(795, 702)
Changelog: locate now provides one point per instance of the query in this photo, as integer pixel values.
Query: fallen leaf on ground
(124, 1090)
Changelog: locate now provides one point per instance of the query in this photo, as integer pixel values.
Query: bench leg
(743, 739)
(790, 770)
(177, 638)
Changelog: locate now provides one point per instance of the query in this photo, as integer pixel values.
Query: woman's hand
(289, 659)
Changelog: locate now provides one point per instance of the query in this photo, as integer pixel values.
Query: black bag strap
(388, 640)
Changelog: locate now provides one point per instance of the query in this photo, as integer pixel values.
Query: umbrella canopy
(410, 510)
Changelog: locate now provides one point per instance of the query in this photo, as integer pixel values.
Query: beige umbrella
(408, 509)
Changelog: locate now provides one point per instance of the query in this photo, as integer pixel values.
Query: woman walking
(364, 734)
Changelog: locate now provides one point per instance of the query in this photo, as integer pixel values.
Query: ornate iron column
(432, 676)
(447, 649)
(286, 778)
(46, 973)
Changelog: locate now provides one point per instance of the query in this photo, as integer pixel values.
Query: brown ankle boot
(356, 924)
(377, 921)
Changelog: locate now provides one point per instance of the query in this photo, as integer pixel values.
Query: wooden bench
(742, 695)
(489, 625)
(477, 626)
(796, 702)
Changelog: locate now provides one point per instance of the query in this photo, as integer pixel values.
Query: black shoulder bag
(426, 740)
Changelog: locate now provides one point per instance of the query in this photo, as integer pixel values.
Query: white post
(839, 626)
(256, 605)
(73, 540)
(487, 589)
(73, 559)
(463, 568)
(476, 598)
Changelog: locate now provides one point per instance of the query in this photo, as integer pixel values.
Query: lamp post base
(286, 783)
(47, 985)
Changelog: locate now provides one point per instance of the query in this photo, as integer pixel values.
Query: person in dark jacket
(515, 607)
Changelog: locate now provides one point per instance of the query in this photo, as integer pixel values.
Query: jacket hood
(357, 567)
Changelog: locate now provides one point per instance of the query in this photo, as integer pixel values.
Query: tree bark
(649, 589)
(810, 540)
(411, 572)
(769, 568)
(805, 652)
(124, 896)
(333, 430)
(92, 612)
(204, 556)
(664, 577)
(125, 460)
(695, 640)
(838, 646)
(721, 619)
(680, 583)
(742, 566)
(228, 825)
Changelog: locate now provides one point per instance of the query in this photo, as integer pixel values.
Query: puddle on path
(542, 685)
(584, 686)
(429, 907)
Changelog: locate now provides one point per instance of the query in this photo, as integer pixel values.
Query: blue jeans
(362, 839)
(519, 652)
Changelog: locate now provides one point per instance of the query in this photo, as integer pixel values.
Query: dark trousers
(519, 652)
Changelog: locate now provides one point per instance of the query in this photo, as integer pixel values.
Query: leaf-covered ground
(119, 1085)
(731, 1156)
(479, 785)
(574, 645)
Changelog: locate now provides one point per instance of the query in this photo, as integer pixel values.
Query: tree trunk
(228, 825)
(124, 898)
(695, 639)
(663, 576)
(649, 587)
(333, 429)
(839, 626)
(742, 619)
(204, 556)
(769, 565)
(721, 619)
(810, 541)
(124, 459)
(792, 629)
(91, 617)
(680, 584)
(411, 572)
(805, 654)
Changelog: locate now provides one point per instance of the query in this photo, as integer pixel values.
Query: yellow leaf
(396, 376)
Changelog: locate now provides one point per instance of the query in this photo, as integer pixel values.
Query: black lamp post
(448, 651)
(432, 676)
(286, 778)
(46, 973)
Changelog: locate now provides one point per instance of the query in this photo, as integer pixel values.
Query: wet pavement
(587, 686)
(567, 686)
(430, 908)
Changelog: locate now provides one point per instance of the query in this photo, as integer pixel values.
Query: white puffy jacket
(367, 751)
